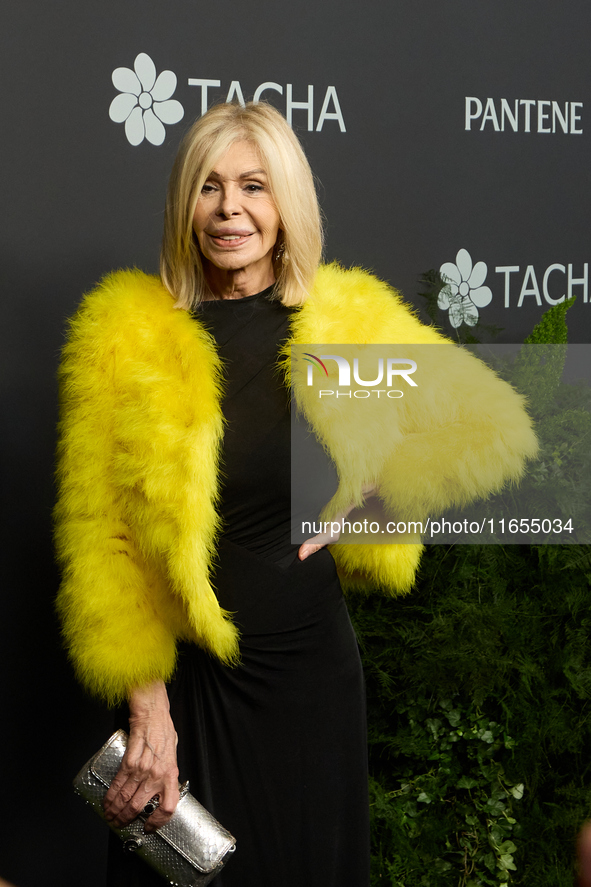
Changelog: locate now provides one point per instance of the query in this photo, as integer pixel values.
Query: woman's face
(236, 221)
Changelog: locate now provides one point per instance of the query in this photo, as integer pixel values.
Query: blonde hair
(292, 187)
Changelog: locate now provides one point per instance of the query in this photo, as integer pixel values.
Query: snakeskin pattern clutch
(189, 851)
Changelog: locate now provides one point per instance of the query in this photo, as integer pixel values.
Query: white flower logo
(463, 293)
(145, 103)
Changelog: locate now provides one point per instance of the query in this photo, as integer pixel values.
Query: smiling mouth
(233, 239)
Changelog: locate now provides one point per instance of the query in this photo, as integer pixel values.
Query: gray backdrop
(466, 129)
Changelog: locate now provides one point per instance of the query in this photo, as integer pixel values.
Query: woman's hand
(310, 546)
(149, 765)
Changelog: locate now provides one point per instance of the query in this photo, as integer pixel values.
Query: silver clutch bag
(189, 851)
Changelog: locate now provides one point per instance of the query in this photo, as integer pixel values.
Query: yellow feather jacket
(140, 433)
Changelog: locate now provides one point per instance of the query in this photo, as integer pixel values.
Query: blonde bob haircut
(298, 249)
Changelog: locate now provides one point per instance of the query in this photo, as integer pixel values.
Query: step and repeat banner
(451, 138)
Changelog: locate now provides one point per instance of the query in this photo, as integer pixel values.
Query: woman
(174, 513)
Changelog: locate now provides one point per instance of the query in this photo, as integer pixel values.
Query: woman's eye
(208, 189)
(253, 188)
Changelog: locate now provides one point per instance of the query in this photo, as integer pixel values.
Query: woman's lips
(230, 239)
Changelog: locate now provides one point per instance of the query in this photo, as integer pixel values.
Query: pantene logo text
(523, 115)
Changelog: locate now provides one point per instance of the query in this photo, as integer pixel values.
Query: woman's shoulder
(363, 308)
(124, 308)
(128, 332)
(126, 291)
(130, 317)
(334, 280)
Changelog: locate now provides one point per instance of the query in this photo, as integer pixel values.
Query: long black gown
(276, 747)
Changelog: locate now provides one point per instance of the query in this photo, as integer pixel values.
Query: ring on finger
(151, 806)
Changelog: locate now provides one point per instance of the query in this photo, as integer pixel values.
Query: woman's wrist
(147, 702)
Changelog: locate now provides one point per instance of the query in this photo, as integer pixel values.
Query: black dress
(276, 747)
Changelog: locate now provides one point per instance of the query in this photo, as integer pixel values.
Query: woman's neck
(238, 283)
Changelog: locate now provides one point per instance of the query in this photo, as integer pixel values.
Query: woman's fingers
(127, 796)
(120, 792)
(168, 799)
(134, 770)
(307, 549)
(131, 797)
(310, 546)
(313, 545)
(133, 807)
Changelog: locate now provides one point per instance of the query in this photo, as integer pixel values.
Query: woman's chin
(237, 263)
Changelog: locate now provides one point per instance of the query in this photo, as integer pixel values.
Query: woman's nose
(229, 204)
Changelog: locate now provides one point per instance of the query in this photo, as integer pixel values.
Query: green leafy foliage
(552, 327)
(479, 693)
(538, 370)
(480, 683)
(472, 830)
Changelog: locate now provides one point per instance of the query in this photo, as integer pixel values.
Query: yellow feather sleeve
(108, 600)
